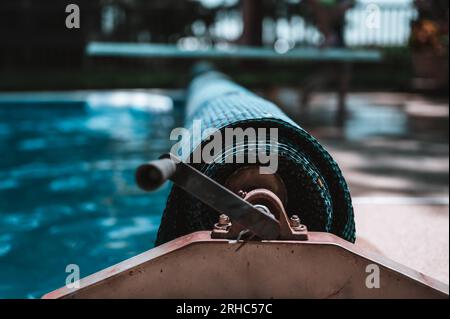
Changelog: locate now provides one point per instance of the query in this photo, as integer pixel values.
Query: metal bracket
(265, 200)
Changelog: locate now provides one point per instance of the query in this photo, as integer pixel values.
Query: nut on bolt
(223, 223)
(296, 224)
(224, 219)
(242, 193)
(295, 221)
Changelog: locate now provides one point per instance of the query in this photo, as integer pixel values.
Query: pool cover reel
(316, 190)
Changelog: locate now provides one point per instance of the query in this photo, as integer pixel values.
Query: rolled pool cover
(316, 190)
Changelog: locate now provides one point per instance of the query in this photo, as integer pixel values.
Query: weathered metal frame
(196, 266)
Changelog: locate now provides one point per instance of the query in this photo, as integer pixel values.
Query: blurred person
(329, 18)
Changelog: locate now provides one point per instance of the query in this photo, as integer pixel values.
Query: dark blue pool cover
(316, 189)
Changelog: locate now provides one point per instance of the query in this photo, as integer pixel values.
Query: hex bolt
(242, 193)
(224, 220)
(295, 221)
(223, 223)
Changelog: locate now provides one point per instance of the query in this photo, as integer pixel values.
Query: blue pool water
(67, 191)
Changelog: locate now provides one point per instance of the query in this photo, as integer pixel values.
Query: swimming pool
(67, 191)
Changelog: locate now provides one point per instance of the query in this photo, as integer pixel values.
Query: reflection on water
(67, 191)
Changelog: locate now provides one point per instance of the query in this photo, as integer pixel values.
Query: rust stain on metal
(338, 291)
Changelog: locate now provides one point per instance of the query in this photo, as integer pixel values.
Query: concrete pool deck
(394, 154)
